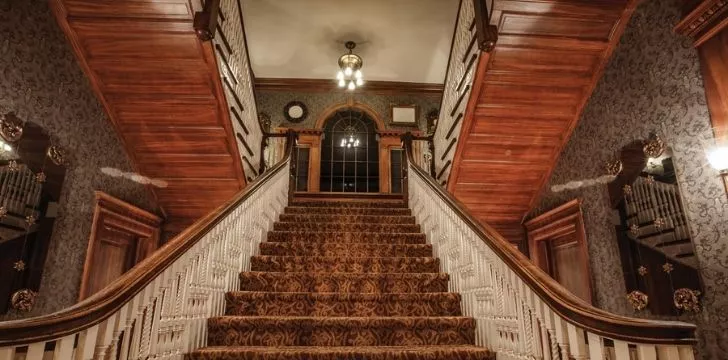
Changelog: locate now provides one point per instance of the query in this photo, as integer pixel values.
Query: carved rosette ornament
(3, 211)
(13, 165)
(642, 270)
(638, 300)
(687, 299)
(613, 167)
(57, 155)
(654, 147)
(11, 128)
(667, 267)
(659, 223)
(40, 177)
(627, 189)
(650, 180)
(30, 220)
(23, 300)
(634, 229)
(19, 266)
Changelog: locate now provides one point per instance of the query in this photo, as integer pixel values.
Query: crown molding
(705, 20)
(370, 87)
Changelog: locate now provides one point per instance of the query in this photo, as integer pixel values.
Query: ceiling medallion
(667, 267)
(613, 167)
(57, 155)
(634, 229)
(687, 299)
(654, 147)
(638, 300)
(19, 265)
(350, 64)
(23, 300)
(295, 112)
(642, 270)
(11, 128)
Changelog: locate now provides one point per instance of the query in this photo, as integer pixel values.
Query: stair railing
(159, 308)
(520, 311)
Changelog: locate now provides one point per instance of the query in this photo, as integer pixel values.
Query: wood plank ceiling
(160, 86)
(546, 63)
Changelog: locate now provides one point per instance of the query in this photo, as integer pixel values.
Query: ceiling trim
(704, 21)
(370, 87)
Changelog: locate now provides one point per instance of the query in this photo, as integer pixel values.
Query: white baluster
(646, 352)
(7, 353)
(621, 350)
(668, 352)
(596, 346)
(64, 348)
(87, 343)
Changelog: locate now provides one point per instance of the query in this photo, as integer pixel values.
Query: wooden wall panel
(543, 69)
(161, 87)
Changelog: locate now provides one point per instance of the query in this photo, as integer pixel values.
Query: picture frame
(404, 115)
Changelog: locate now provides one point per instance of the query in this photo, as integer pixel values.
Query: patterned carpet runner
(343, 279)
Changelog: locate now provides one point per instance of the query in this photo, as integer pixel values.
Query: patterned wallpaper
(41, 81)
(652, 84)
(273, 102)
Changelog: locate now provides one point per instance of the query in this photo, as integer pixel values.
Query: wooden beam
(327, 85)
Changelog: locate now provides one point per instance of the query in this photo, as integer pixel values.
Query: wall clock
(295, 112)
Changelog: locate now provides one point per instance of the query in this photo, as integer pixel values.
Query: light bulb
(7, 147)
(351, 139)
(357, 74)
(348, 145)
(340, 75)
(343, 142)
(359, 82)
(351, 85)
(718, 158)
(347, 71)
(342, 83)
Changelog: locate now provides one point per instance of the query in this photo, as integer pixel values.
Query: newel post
(407, 147)
(292, 138)
(205, 21)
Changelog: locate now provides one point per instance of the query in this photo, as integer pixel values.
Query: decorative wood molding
(370, 87)
(562, 221)
(331, 110)
(116, 215)
(704, 21)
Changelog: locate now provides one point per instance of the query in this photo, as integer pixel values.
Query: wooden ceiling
(161, 88)
(548, 59)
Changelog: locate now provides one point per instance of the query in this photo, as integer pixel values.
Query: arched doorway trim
(326, 114)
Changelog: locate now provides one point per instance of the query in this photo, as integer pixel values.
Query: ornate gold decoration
(613, 167)
(23, 300)
(650, 180)
(638, 300)
(19, 265)
(3, 212)
(642, 270)
(11, 128)
(654, 147)
(57, 155)
(667, 267)
(30, 219)
(13, 165)
(687, 299)
(659, 223)
(40, 177)
(634, 229)
(627, 189)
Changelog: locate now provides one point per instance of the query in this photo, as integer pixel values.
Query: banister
(560, 300)
(109, 300)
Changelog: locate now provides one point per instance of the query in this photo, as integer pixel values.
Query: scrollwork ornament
(11, 128)
(654, 147)
(23, 300)
(638, 300)
(613, 167)
(687, 299)
(57, 155)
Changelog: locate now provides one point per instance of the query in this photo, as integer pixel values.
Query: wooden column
(311, 139)
(388, 140)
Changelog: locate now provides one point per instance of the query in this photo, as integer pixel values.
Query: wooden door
(557, 244)
(122, 235)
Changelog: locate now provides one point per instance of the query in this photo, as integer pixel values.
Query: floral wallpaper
(41, 82)
(652, 84)
(273, 102)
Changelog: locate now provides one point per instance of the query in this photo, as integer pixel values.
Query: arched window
(350, 153)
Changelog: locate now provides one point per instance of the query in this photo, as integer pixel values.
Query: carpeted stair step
(330, 264)
(303, 248)
(343, 282)
(450, 352)
(349, 204)
(248, 303)
(385, 228)
(339, 331)
(347, 237)
(348, 211)
(348, 219)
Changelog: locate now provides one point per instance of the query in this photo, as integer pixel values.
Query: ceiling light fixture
(350, 64)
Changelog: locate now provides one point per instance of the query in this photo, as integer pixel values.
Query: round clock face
(295, 111)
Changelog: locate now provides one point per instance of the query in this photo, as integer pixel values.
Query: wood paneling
(160, 86)
(526, 102)
(370, 87)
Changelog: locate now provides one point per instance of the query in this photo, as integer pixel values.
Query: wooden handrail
(555, 296)
(103, 304)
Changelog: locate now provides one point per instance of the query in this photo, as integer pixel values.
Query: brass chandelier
(350, 64)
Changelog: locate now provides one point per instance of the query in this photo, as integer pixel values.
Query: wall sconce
(718, 159)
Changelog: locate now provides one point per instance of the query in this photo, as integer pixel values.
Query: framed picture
(404, 115)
